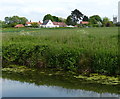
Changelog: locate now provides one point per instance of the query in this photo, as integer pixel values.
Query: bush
(35, 25)
(41, 56)
(86, 50)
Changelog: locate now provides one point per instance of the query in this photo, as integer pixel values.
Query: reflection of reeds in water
(67, 83)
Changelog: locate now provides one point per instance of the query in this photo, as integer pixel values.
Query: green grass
(82, 50)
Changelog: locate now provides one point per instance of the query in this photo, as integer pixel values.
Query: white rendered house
(48, 24)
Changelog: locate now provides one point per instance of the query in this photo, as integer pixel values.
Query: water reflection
(42, 85)
(18, 89)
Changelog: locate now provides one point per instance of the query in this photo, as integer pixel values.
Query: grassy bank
(80, 50)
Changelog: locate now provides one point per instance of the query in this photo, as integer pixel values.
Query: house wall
(27, 24)
(50, 25)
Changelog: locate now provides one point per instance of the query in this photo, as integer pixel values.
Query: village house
(29, 23)
(60, 24)
(45, 24)
(50, 24)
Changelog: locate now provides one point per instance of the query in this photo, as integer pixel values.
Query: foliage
(109, 24)
(57, 19)
(76, 15)
(14, 20)
(35, 25)
(52, 18)
(48, 17)
(106, 22)
(85, 18)
(83, 51)
(69, 20)
(62, 19)
(118, 24)
(95, 19)
(45, 77)
(103, 79)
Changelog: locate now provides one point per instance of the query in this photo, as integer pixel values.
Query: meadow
(77, 50)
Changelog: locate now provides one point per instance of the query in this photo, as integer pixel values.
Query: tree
(48, 17)
(69, 20)
(62, 19)
(0, 23)
(7, 20)
(109, 24)
(85, 18)
(105, 21)
(94, 20)
(3, 24)
(56, 19)
(52, 18)
(35, 25)
(76, 15)
(14, 20)
(23, 20)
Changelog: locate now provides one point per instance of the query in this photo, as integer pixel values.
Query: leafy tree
(0, 23)
(14, 20)
(62, 19)
(48, 17)
(105, 21)
(7, 20)
(3, 24)
(118, 24)
(35, 25)
(56, 19)
(23, 20)
(52, 18)
(109, 24)
(94, 20)
(76, 15)
(69, 20)
(85, 18)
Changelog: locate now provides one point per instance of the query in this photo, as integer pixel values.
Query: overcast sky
(36, 9)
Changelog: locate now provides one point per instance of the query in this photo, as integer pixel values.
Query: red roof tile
(59, 23)
(20, 25)
(84, 22)
(33, 22)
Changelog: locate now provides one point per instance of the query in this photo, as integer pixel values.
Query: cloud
(36, 9)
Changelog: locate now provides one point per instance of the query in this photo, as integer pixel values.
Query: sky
(35, 10)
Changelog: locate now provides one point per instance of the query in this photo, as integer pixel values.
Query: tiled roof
(33, 22)
(45, 22)
(59, 23)
(28, 22)
(19, 25)
(84, 22)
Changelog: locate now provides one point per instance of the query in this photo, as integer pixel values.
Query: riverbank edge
(92, 78)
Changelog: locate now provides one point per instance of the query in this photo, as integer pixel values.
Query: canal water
(42, 85)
